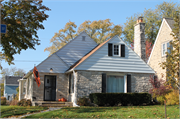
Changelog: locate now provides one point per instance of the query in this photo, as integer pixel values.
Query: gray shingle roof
(12, 79)
(170, 21)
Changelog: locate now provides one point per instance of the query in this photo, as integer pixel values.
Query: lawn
(7, 111)
(156, 111)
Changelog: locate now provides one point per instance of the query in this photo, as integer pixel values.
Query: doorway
(49, 88)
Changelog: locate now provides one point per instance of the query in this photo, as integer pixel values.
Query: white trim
(158, 37)
(125, 83)
(119, 51)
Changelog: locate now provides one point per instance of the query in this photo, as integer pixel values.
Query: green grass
(7, 111)
(156, 111)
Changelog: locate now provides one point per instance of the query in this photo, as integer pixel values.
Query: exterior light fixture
(51, 69)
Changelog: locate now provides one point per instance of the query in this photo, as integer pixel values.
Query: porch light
(51, 69)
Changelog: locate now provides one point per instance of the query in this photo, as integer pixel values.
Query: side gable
(53, 62)
(76, 49)
(164, 25)
(100, 61)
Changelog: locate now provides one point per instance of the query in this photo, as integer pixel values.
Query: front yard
(7, 111)
(155, 111)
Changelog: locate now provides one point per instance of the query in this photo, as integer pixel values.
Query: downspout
(75, 90)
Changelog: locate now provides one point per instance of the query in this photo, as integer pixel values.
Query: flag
(36, 76)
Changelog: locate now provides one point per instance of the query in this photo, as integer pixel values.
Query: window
(71, 83)
(116, 50)
(24, 87)
(115, 84)
(83, 38)
(165, 49)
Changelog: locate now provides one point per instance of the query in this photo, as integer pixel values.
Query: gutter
(75, 90)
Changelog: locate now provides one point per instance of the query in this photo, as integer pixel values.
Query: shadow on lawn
(90, 109)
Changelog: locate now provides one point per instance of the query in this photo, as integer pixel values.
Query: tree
(152, 18)
(61, 38)
(159, 89)
(171, 65)
(23, 19)
(98, 30)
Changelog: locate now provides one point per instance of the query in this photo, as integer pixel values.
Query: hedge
(112, 99)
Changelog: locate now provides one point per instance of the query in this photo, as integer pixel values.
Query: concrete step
(57, 104)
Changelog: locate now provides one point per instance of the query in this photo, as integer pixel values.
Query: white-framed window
(116, 50)
(116, 84)
(71, 83)
(165, 49)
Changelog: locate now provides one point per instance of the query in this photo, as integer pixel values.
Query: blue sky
(78, 11)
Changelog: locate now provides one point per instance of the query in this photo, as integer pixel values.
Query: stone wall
(91, 82)
(156, 56)
(61, 86)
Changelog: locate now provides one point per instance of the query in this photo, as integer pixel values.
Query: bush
(112, 99)
(24, 102)
(83, 101)
(3, 100)
(14, 102)
(160, 100)
(173, 98)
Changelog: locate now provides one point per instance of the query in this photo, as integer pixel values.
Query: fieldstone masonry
(91, 82)
(139, 39)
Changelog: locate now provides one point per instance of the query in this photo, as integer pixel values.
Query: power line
(26, 61)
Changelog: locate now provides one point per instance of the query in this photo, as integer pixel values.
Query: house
(160, 47)
(82, 67)
(10, 85)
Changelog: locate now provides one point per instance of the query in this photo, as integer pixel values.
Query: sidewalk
(50, 109)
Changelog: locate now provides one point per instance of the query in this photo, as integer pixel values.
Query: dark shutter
(109, 49)
(128, 83)
(69, 83)
(122, 50)
(103, 83)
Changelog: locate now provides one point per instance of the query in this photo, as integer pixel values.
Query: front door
(49, 88)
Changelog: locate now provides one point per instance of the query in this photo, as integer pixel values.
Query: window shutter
(109, 49)
(122, 50)
(128, 83)
(103, 83)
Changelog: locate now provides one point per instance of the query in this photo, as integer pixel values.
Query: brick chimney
(139, 38)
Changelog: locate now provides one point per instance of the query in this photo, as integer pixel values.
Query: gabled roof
(88, 55)
(170, 22)
(12, 79)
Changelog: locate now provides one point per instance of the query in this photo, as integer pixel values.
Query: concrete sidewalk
(50, 109)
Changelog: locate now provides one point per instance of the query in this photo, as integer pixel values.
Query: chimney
(139, 38)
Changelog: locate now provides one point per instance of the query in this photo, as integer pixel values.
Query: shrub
(14, 102)
(160, 100)
(24, 102)
(3, 100)
(83, 101)
(173, 98)
(112, 99)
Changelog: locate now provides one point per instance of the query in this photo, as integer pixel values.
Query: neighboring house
(10, 85)
(160, 47)
(82, 67)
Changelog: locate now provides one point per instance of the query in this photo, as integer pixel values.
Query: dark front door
(50, 88)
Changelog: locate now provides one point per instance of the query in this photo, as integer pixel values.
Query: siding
(10, 89)
(100, 61)
(53, 62)
(76, 49)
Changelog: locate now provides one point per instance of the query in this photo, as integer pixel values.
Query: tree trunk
(165, 108)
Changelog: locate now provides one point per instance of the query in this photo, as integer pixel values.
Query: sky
(78, 11)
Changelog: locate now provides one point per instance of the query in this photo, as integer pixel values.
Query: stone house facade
(161, 45)
(82, 67)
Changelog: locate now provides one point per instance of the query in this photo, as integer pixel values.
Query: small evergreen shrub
(29, 103)
(173, 98)
(83, 101)
(114, 99)
(3, 100)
